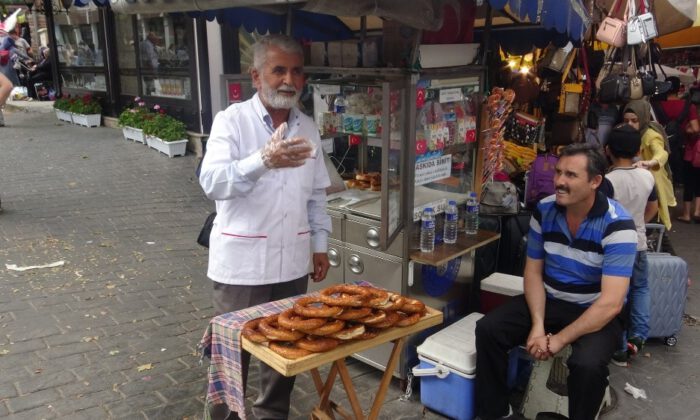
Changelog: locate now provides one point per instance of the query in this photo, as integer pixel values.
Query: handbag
(612, 30)
(696, 154)
(205, 233)
(556, 59)
(636, 89)
(570, 97)
(499, 198)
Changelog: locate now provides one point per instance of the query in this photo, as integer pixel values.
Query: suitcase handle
(661, 228)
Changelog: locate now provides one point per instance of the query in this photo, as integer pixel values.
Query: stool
(498, 288)
(547, 391)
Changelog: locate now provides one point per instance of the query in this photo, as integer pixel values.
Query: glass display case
(85, 80)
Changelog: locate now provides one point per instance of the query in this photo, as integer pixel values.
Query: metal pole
(48, 12)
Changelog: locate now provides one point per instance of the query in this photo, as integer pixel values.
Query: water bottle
(427, 230)
(449, 235)
(339, 104)
(471, 217)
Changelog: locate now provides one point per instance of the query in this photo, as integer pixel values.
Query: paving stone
(190, 409)
(33, 414)
(36, 399)
(134, 404)
(41, 381)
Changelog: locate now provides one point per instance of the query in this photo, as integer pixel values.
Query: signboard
(433, 169)
(438, 207)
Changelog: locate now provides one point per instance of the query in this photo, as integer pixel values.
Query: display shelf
(445, 252)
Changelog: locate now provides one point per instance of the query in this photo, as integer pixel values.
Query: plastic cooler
(447, 366)
(497, 288)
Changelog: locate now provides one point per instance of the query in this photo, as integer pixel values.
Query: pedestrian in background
(264, 169)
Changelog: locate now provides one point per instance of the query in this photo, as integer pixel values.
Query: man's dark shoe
(621, 358)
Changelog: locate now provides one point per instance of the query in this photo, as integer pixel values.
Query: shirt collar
(600, 206)
(261, 111)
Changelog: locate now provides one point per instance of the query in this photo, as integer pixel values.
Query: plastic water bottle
(427, 230)
(339, 104)
(449, 235)
(471, 216)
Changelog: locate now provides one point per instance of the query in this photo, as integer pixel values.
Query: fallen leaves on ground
(147, 366)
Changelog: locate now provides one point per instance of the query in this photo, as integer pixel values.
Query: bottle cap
(452, 203)
(429, 209)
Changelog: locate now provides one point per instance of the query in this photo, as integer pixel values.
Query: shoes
(620, 358)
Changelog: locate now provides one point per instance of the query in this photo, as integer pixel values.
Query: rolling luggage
(668, 287)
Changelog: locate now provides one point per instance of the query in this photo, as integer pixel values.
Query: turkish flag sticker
(234, 92)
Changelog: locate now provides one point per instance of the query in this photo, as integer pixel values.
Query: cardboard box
(318, 54)
(351, 53)
(447, 55)
(334, 54)
(370, 52)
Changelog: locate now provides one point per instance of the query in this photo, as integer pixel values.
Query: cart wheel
(671, 341)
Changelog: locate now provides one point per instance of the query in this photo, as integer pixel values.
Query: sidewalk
(113, 332)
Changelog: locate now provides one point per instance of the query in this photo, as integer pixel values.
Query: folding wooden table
(325, 409)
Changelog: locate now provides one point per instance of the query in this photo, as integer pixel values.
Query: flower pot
(170, 148)
(63, 115)
(87, 120)
(135, 134)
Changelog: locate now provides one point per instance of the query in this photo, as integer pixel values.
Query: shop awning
(568, 17)
(306, 25)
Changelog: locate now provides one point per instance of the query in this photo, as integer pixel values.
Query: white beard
(276, 100)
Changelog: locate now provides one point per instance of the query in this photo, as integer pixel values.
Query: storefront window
(77, 38)
(162, 42)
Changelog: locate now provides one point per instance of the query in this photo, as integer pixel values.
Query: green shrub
(136, 115)
(85, 105)
(165, 128)
(62, 104)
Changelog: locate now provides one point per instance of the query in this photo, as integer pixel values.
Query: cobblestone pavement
(113, 332)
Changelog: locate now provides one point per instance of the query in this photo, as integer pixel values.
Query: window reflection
(163, 42)
(77, 38)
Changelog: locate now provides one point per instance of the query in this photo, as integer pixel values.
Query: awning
(568, 17)
(420, 14)
(305, 25)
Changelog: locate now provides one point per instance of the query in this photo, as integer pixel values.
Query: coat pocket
(243, 253)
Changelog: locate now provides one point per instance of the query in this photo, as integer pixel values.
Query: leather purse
(614, 88)
(205, 233)
(613, 30)
(636, 88)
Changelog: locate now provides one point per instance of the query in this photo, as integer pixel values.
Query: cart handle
(439, 371)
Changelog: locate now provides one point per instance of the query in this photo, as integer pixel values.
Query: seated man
(581, 248)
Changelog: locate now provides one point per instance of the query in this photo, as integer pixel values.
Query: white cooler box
(447, 369)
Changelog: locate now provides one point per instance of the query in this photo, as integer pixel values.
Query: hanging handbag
(613, 30)
(636, 89)
(640, 28)
(614, 88)
(499, 198)
(205, 233)
(555, 58)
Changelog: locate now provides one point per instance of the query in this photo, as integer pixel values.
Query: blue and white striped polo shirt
(605, 243)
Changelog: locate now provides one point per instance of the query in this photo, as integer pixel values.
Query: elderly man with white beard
(264, 169)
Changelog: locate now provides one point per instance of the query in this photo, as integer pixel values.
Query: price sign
(433, 169)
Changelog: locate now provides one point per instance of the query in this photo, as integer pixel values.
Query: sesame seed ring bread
(349, 313)
(345, 295)
(290, 320)
(368, 334)
(391, 319)
(413, 306)
(331, 327)
(406, 320)
(394, 303)
(349, 333)
(316, 344)
(251, 332)
(288, 350)
(313, 307)
(377, 297)
(273, 331)
(375, 317)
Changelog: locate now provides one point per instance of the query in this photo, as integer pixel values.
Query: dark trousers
(691, 182)
(275, 388)
(509, 325)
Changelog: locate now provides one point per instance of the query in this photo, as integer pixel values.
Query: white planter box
(87, 120)
(63, 116)
(170, 148)
(135, 134)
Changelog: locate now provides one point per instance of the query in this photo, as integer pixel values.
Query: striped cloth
(222, 344)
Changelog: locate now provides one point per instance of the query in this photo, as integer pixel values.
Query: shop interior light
(524, 69)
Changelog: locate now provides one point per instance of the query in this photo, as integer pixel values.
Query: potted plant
(132, 119)
(166, 134)
(62, 108)
(87, 111)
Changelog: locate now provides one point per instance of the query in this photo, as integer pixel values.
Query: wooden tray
(289, 367)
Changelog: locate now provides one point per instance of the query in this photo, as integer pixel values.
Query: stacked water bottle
(471, 223)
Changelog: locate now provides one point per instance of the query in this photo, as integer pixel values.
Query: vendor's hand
(556, 344)
(321, 266)
(287, 153)
(537, 343)
(645, 164)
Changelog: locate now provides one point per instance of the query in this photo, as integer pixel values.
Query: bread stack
(371, 181)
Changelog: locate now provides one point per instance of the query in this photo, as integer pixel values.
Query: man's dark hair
(624, 141)
(597, 164)
(675, 84)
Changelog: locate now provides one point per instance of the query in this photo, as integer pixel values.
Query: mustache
(561, 187)
(287, 89)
